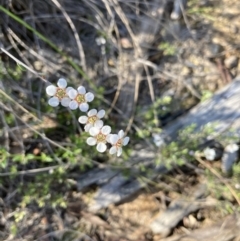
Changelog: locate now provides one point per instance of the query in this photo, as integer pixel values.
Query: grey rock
(230, 156)
(167, 220)
(97, 176)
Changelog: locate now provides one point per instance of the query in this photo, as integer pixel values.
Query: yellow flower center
(119, 143)
(80, 99)
(101, 138)
(92, 119)
(61, 93)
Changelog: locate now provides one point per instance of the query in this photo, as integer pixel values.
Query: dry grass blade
(76, 35)
(148, 70)
(17, 49)
(22, 64)
(31, 51)
(19, 106)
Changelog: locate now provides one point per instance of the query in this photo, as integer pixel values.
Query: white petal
(108, 138)
(121, 134)
(114, 138)
(65, 101)
(54, 101)
(98, 124)
(83, 119)
(89, 97)
(113, 150)
(81, 90)
(73, 105)
(100, 114)
(51, 90)
(126, 140)
(72, 93)
(209, 154)
(91, 141)
(94, 131)
(106, 130)
(68, 89)
(87, 127)
(62, 83)
(84, 107)
(119, 152)
(92, 112)
(101, 147)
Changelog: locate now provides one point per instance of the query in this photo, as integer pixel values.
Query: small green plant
(181, 150)
(4, 156)
(206, 94)
(188, 142)
(167, 48)
(151, 116)
(45, 193)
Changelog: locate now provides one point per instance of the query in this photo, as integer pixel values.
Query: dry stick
(137, 53)
(22, 64)
(108, 8)
(19, 106)
(99, 15)
(185, 19)
(16, 48)
(76, 17)
(150, 85)
(31, 51)
(32, 171)
(213, 171)
(116, 96)
(136, 93)
(127, 25)
(76, 35)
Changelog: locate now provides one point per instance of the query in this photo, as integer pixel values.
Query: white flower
(209, 153)
(80, 98)
(93, 119)
(59, 94)
(100, 136)
(117, 142)
(100, 40)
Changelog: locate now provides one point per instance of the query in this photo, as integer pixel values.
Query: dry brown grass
(143, 57)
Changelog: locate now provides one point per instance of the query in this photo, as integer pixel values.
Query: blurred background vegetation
(147, 62)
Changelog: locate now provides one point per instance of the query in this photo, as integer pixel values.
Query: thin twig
(19, 106)
(76, 35)
(33, 171)
(214, 172)
(22, 64)
(31, 51)
(150, 86)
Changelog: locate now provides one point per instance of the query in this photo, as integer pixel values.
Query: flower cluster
(79, 98)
